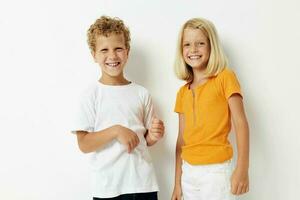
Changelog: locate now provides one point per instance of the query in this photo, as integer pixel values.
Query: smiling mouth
(194, 57)
(114, 64)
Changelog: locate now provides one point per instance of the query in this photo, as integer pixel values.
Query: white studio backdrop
(45, 63)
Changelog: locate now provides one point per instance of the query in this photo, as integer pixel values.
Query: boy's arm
(240, 180)
(92, 141)
(155, 132)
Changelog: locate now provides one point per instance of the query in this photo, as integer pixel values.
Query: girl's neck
(199, 78)
(199, 74)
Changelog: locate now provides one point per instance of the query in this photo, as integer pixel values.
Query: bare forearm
(91, 141)
(242, 135)
(178, 170)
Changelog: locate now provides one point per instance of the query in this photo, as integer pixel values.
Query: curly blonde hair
(106, 26)
(217, 59)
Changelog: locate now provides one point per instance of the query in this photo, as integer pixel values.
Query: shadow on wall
(137, 67)
(138, 71)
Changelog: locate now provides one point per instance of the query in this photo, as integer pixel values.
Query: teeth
(112, 64)
(194, 57)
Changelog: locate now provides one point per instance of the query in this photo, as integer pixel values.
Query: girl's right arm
(177, 192)
(92, 141)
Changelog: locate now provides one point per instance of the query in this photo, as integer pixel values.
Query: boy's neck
(113, 80)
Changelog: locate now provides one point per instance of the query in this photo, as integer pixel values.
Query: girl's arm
(177, 187)
(240, 179)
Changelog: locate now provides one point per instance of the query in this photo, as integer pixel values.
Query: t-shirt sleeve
(84, 119)
(230, 84)
(149, 112)
(179, 102)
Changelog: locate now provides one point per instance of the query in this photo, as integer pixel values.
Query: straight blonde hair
(217, 59)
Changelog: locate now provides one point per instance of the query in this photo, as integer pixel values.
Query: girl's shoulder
(183, 89)
(226, 74)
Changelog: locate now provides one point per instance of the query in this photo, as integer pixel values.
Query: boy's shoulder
(140, 87)
(89, 91)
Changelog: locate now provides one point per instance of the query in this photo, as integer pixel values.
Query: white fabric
(114, 171)
(206, 182)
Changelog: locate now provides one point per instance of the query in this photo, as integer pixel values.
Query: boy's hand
(157, 130)
(239, 181)
(128, 138)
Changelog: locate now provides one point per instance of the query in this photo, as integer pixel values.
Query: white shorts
(206, 182)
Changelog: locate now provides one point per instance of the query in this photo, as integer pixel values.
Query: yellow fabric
(207, 119)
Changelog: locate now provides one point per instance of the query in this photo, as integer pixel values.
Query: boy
(116, 120)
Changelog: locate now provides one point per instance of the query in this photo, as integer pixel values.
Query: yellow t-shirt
(207, 119)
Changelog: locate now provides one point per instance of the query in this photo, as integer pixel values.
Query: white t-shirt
(114, 171)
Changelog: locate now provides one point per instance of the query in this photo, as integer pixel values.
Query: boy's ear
(93, 55)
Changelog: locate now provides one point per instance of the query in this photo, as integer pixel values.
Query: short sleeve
(148, 110)
(179, 104)
(230, 84)
(84, 119)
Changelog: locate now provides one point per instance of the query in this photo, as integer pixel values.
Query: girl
(205, 105)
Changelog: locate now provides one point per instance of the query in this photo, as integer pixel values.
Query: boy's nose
(112, 55)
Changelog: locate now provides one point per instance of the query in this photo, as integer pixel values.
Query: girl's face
(195, 48)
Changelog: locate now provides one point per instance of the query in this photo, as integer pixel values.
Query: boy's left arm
(156, 132)
(240, 178)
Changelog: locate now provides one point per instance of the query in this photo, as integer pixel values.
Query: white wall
(45, 62)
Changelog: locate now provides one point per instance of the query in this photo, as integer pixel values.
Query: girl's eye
(103, 50)
(186, 45)
(200, 43)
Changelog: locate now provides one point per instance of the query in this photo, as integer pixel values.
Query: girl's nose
(194, 48)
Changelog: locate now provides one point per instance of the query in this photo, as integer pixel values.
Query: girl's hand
(177, 193)
(239, 181)
(127, 137)
(157, 130)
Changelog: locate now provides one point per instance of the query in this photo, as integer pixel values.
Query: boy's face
(195, 48)
(111, 54)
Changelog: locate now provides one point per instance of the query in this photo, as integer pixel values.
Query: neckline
(114, 86)
(198, 86)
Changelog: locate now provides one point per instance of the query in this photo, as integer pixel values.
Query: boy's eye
(103, 50)
(119, 49)
(186, 44)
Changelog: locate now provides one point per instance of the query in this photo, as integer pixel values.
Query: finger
(244, 190)
(137, 140)
(156, 130)
(158, 134)
(247, 189)
(239, 189)
(156, 125)
(233, 188)
(155, 120)
(130, 147)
